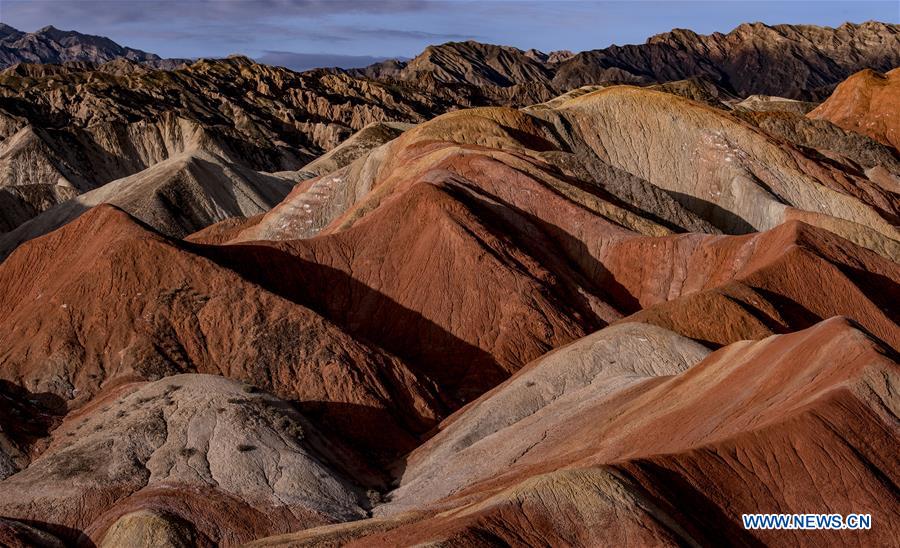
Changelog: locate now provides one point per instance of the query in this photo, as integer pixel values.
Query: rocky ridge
(70, 130)
(793, 61)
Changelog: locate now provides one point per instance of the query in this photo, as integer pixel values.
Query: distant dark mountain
(468, 62)
(51, 45)
(794, 61)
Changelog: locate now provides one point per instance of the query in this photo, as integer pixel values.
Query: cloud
(237, 33)
(306, 61)
(32, 14)
(193, 28)
(407, 34)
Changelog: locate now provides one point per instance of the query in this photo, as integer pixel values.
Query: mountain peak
(54, 33)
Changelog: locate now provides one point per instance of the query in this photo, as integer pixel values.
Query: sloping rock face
(854, 151)
(40, 168)
(434, 205)
(515, 205)
(106, 113)
(84, 159)
(177, 196)
(793, 61)
(261, 103)
(16, 534)
(748, 182)
(866, 103)
(151, 307)
(715, 167)
(184, 193)
(699, 89)
(355, 146)
(587, 447)
(467, 62)
(767, 103)
(70, 129)
(25, 421)
(51, 45)
(22, 203)
(148, 447)
(150, 528)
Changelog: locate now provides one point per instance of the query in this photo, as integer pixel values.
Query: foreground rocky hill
(636, 436)
(623, 316)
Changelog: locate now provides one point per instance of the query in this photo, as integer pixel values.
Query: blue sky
(354, 33)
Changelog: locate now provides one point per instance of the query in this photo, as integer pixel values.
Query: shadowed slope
(625, 153)
(458, 232)
(104, 299)
(671, 458)
(63, 162)
(850, 149)
(581, 231)
(438, 277)
(52, 45)
(794, 61)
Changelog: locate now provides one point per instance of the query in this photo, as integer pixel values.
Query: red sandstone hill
(107, 300)
(866, 103)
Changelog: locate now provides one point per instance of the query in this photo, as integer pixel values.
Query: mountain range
(76, 122)
(793, 61)
(485, 297)
(51, 45)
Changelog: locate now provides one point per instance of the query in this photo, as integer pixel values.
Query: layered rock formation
(106, 114)
(177, 196)
(188, 191)
(200, 436)
(631, 436)
(467, 63)
(749, 181)
(622, 315)
(68, 130)
(355, 146)
(854, 151)
(154, 308)
(767, 103)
